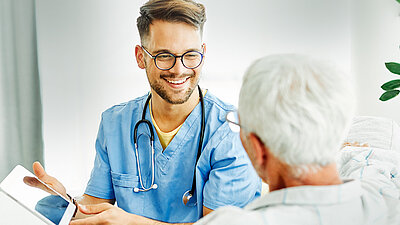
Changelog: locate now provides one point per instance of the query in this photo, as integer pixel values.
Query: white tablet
(51, 208)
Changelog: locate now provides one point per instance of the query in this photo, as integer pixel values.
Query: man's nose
(178, 68)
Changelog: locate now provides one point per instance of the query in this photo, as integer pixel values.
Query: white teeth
(177, 81)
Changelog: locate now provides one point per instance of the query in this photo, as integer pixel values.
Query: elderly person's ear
(260, 151)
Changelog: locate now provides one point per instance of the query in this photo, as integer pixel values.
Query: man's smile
(177, 81)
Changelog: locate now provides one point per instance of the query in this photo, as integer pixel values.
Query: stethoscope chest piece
(187, 199)
(153, 186)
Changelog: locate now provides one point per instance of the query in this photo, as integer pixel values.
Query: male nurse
(149, 187)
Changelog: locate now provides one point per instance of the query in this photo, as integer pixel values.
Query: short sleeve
(232, 179)
(100, 184)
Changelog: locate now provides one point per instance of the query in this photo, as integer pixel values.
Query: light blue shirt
(224, 174)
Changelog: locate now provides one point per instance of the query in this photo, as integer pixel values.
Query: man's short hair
(177, 11)
(299, 107)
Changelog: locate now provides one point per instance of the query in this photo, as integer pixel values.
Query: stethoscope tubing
(143, 120)
(149, 125)
(199, 149)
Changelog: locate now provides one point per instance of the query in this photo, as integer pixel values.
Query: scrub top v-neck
(224, 174)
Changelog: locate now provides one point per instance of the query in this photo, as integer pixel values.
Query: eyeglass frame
(233, 122)
(175, 56)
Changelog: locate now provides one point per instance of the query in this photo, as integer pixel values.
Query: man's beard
(160, 90)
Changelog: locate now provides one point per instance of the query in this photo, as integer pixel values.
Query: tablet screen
(47, 203)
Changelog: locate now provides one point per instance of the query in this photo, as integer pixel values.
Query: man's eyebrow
(161, 51)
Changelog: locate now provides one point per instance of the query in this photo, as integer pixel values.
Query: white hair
(299, 107)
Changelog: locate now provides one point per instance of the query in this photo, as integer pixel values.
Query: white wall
(87, 64)
(86, 57)
(247, 30)
(375, 39)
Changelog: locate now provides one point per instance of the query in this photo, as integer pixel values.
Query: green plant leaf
(398, 1)
(391, 85)
(389, 95)
(393, 67)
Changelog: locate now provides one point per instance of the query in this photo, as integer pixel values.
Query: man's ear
(139, 56)
(204, 48)
(260, 150)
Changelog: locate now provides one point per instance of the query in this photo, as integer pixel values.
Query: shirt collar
(310, 195)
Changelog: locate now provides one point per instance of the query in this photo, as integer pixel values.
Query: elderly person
(294, 114)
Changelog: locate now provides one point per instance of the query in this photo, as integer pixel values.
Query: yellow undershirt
(166, 137)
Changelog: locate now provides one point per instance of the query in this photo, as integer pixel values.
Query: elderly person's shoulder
(232, 215)
(271, 215)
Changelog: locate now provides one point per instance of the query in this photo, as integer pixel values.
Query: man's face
(177, 84)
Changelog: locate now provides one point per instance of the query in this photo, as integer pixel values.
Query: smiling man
(168, 156)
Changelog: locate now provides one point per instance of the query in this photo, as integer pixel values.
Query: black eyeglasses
(166, 60)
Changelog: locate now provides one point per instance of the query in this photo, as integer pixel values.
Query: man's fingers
(42, 175)
(33, 182)
(87, 221)
(39, 171)
(94, 209)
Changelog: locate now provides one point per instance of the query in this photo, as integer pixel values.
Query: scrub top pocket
(123, 189)
(125, 180)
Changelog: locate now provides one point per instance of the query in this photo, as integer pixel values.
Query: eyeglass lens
(190, 60)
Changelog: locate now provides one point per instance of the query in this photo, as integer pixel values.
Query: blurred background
(64, 62)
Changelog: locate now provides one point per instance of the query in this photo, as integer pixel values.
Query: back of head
(299, 107)
(176, 11)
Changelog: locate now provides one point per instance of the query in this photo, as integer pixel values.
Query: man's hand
(106, 214)
(49, 180)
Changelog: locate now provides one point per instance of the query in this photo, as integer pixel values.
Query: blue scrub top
(224, 174)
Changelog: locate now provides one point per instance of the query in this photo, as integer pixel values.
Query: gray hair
(299, 107)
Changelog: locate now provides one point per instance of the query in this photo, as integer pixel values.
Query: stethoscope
(187, 196)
